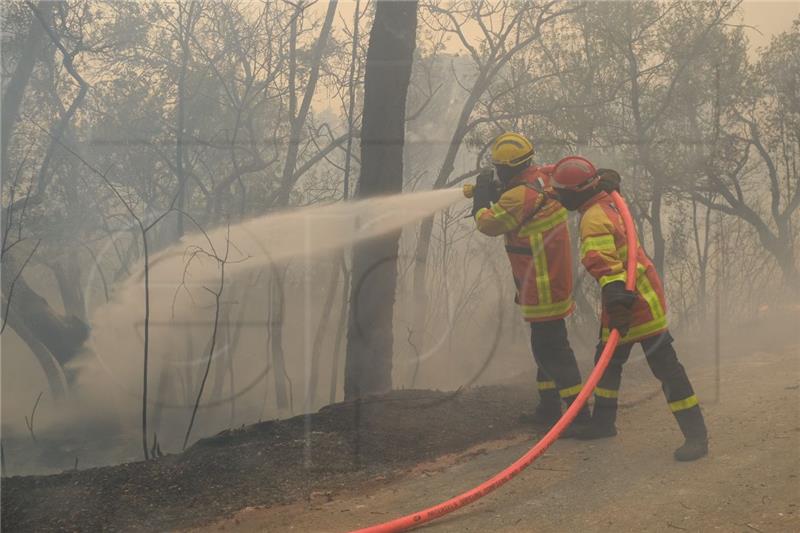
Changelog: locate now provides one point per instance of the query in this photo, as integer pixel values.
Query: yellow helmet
(511, 150)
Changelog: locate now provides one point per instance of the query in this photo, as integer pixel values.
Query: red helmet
(574, 173)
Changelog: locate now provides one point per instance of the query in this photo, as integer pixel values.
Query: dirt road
(630, 483)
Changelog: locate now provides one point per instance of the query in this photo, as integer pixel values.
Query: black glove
(618, 303)
(610, 180)
(485, 192)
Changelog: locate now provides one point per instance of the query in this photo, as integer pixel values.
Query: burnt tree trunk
(276, 317)
(319, 337)
(53, 338)
(340, 330)
(368, 367)
(298, 119)
(18, 81)
(68, 276)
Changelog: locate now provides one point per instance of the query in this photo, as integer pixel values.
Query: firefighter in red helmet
(640, 315)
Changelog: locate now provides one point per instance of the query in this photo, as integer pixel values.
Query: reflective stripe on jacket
(537, 244)
(604, 253)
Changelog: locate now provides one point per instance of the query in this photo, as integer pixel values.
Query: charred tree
(298, 116)
(53, 338)
(18, 81)
(277, 314)
(368, 367)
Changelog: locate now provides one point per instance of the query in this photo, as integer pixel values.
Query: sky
(763, 18)
(767, 18)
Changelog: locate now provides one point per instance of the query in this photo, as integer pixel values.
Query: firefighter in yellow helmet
(534, 226)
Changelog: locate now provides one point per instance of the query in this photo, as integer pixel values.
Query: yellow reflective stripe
(570, 391)
(543, 311)
(659, 320)
(640, 331)
(605, 280)
(606, 393)
(681, 405)
(539, 225)
(504, 217)
(479, 213)
(542, 274)
(546, 385)
(648, 292)
(601, 243)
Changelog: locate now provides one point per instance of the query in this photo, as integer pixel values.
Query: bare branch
(10, 294)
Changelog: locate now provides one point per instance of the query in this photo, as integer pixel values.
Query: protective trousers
(664, 364)
(548, 392)
(556, 360)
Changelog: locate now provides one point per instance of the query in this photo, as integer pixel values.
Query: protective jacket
(537, 242)
(604, 254)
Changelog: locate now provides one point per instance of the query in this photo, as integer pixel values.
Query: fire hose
(437, 511)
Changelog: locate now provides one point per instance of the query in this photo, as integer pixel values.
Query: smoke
(101, 421)
(183, 310)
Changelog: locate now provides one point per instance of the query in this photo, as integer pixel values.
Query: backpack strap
(538, 186)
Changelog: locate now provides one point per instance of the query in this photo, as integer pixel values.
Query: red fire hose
(437, 511)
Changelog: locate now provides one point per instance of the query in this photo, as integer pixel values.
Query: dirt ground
(631, 483)
(350, 466)
(269, 463)
(750, 481)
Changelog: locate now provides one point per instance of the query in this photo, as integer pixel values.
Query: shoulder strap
(538, 186)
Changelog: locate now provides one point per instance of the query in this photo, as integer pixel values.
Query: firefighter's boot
(602, 424)
(582, 420)
(694, 431)
(543, 416)
(548, 411)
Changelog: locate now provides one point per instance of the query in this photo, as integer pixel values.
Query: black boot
(546, 414)
(694, 430)
(602, 424)
(579, 424)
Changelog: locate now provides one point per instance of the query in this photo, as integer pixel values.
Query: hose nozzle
(468, 189)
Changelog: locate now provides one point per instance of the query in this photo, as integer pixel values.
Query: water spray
(183, 309)
(437, 511)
